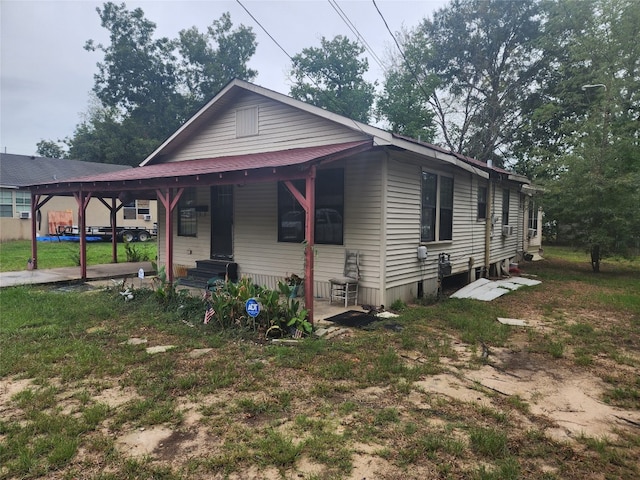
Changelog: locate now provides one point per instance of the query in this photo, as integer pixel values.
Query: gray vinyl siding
(403, 212)
(280, 127)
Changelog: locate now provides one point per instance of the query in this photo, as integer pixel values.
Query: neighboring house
(238, 177)
(19, 171)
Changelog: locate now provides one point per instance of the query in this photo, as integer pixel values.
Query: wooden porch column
(169, 201)
(308, 203)
(310, 237)
(83, 200)
(113, 210)
(36, 205)
(34, 243)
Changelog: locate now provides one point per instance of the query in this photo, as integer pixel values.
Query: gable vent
(246, 122)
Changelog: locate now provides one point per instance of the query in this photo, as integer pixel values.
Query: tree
(204, 70)
(331, 77)
(147, 87)
(484, 54)
(593, 182)
(50, 149)
(404, 101)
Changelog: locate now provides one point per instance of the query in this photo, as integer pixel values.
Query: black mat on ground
(353, 318)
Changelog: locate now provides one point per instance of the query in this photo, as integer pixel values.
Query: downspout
(487, 229)
(383, 231)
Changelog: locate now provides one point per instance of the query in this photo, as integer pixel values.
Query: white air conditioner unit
(147, 217)
(507, 230)
(25, 215)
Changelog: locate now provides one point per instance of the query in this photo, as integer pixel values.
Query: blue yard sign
(252, 307)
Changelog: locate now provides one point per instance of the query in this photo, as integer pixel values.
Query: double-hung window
(437, 208)
(6, 203)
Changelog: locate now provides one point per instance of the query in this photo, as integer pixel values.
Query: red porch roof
(219, 165)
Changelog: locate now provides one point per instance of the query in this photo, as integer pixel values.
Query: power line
(320, 90)
(345, 18)
(406, 60)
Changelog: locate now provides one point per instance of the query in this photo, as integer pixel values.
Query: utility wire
(345, 18)
(406, 60)
(320, 90)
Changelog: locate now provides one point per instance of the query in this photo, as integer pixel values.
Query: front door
(222, 222)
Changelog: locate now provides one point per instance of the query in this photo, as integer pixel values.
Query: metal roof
(23, 170)
(149, 175)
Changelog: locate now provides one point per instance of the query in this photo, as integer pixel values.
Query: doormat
(353, 318)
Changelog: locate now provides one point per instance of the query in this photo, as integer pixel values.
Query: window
(6, 203)
(143, 207)
(246, 122)
(505, 206)
(129, 211)
(482, 203)
(437, 208)
(329, 224)
(187, 217)
(23, 201)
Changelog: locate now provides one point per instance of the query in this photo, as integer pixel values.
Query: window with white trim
(129, 211)
(6, 203)
(23, 201)
(437, 208)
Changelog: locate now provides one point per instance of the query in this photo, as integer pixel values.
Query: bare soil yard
(558, 399)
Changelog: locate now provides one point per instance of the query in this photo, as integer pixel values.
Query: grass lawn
(79, 399)
(14, 254)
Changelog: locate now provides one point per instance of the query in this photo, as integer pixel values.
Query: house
(19, 171)
(279, 186)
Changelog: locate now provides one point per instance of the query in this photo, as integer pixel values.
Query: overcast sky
(46, 75)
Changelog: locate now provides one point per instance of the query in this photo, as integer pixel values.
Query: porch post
(35, 199)
(36, 205)
(169, 201)
(310, 238)
(114, 231)
(112, 222)
(82, 199)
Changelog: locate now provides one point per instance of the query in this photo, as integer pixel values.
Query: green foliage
(135, 253)
(404, 101)
(50, 149)
(583, 141)
(484, 54)
(331, 77)
(146, 87)
(280, 312)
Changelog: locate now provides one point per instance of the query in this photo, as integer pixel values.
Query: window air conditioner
(25, 215)
(147, 217)
(507, 230)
